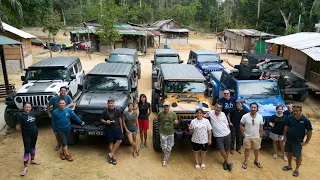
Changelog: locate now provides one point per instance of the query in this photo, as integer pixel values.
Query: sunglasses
(252, 121)
(297, 106)
(226, 93)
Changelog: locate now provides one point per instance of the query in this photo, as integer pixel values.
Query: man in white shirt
(221, 132)
(252, 129)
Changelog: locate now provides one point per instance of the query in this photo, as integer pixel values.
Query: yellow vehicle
(185, 88)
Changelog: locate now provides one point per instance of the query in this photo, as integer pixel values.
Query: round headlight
(19, 100)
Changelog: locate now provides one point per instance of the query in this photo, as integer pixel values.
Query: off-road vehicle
(299, 90)
(105, 81)
(41, 82)
(265, 93)
(206, 61)
(163, 56)
(183, 86)
(125, 55)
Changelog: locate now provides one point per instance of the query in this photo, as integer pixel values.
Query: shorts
(143, 124)
(133, 131)
(293, 147)
(63, 136)
(275, 137)
(199, 147)
(224, 143)
(252, 143)
(114, 134)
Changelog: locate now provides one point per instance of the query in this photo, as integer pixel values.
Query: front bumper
(90, 130)
(38, 111)
(290, 91)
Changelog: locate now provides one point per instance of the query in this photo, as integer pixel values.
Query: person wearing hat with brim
(245, 69)
(167, 119)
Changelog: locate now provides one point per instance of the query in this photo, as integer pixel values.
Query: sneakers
(229, 166)
(62, 156)
(146, 145)
(225, 166)
(69, 158)
(197, 167)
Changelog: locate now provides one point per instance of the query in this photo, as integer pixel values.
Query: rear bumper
(291, 91)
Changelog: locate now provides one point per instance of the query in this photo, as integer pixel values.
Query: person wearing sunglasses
(221, 132)
(252, 128)
(228, 102)
(294, 132)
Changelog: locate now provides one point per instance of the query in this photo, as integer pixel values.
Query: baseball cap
(245, 59)
(166, 103)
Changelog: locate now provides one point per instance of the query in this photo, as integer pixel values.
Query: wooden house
(303, 52)
(20, 56)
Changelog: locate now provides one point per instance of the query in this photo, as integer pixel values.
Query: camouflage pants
(167, 142)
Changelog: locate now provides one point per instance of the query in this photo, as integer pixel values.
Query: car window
(232, 87)
(76, 68)
(224, 79)
(79, 66)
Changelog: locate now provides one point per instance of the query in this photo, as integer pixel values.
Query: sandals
(287, 168)
(69, 158)
(138, 151)
(295, 173)
(197, 167)
(62, 156)
(35, 162)
(114, 161)
(258, 165)
(24, 172)
(244, 165)
(164, 163)
(57, 148)
(109, 158)
(285, 159)
(275, 156)
(203, 166)
(238, 151)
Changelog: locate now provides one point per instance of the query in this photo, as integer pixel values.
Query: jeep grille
(91, 118)
(36, 100)
(211, 70)
(186, 117)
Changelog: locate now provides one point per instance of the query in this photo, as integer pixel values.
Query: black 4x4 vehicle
(128, 56)
(299, 90)
(163, 56)
(41, 82)
(104, 81)
(184, 87)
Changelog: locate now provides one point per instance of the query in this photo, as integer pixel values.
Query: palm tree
(315, 7)
(11, 4)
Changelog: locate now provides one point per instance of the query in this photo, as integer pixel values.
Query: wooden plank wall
(14, 52)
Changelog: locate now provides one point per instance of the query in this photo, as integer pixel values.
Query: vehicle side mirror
(181, 61)
(290, 67)
(133, 88)
(23, 78)
(221, 61)
(80, 87)
(106, 59)
(152, 61)
(73, 76)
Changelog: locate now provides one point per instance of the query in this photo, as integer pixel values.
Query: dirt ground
(90, 153)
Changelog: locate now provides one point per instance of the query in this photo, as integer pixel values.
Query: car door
(133, 82)
(76, 71)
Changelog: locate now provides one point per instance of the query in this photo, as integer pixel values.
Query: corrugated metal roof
(123, 26)
(90, 30)
(175, 30)
(4, 40)
(313, 52)
(161, 23)
(302, 40)
(250, 32)
(17, 32)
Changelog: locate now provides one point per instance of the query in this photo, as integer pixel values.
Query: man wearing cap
(167, 119)
(111, 118)
(245, 69)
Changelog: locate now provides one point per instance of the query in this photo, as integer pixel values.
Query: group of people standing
(228, 123)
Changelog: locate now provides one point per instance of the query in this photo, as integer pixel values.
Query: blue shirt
(55, 100)
(228, 105)
(60, 119)
(297, 128)
(27, 122)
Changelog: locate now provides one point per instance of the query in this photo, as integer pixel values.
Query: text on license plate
(96, 133)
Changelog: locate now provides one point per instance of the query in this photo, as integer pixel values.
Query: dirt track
(90, 154)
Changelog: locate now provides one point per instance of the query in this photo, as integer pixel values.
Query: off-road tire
(73, 137)
(154, 102)
(10, 118)
(156, 135)
(301, 97)
(139, 73)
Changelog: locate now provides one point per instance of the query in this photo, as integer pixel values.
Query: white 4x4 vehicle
(41, 82)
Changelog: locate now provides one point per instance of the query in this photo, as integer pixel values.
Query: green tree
(106, 12)
(9, 6)
(52, 25)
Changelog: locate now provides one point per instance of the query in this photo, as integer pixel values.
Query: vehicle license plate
(96, 133)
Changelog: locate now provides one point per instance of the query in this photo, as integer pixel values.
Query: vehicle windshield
(167, 59)
(47, 74)
(181, 87)
(258, 88)
(208, 58)
(101, 83)
(275, 65)
(116, 58)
